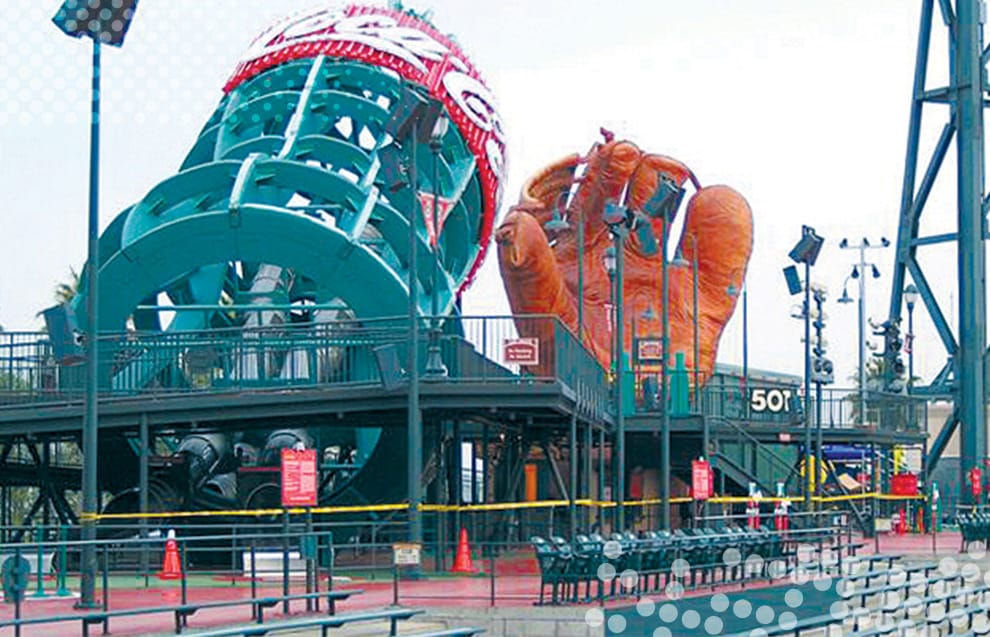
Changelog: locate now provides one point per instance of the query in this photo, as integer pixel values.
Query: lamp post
(859, 272)
(805, 252)
(557, 223)
(910, 298)
(413, 115)
(614, 261)
(434, 359)
(104, 22)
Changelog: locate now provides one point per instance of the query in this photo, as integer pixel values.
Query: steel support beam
(965, 96)
(971, 253)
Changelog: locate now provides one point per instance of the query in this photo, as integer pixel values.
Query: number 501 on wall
(772, 400)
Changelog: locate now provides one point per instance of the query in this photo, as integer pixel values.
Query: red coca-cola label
(414, 49)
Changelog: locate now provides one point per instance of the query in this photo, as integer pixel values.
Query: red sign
(521, 351)
(976, 481)
(649, 349)
(701, 479)
(434, 214)
(418, 52)
(298, 477)
(904, 484)
(783, 437)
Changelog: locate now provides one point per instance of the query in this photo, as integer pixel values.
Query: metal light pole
(434, 360)
(745, 319)
(911, 295)
(90, 437)
(620, 416)
(558, 223)
(696, 337)
(805, 251)
(414, 424)
(859, 272)
(104, 22)
(609, 261)
(664, 379)
(614, 262)
(807, 387)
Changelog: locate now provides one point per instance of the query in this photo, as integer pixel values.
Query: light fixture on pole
(805, 252)
(104, 22)
(412, 122)
(911, 296)
(558, 224)
(618, 218)
(434, 357)
(859, 273)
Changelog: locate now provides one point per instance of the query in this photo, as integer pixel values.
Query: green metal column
(807, 388)
(91, 493)
(665, 381)
(414, 424)
(620, 366)
(573, 486)
(969, 372)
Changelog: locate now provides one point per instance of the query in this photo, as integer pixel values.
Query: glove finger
(718, 231)
(533, 280)
(609, 167)
(542, 192)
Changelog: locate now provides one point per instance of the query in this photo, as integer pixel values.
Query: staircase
(742, 459)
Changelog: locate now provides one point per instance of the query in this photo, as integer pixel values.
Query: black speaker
(63, 332)
(411, 108)
(793, 279)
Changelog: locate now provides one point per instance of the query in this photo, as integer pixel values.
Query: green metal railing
(341, 352)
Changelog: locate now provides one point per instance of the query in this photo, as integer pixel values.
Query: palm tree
(67, 290)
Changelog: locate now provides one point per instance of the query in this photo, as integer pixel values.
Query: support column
(969, 372)
(144, 452)
(414, 419)
(589, 444)
(601, 477)
(572, 462)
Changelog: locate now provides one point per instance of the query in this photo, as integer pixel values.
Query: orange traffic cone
(462, 560)
(171, 565)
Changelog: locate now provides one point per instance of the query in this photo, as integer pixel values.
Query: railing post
(39, 536)
(254, 581)
(285, 563)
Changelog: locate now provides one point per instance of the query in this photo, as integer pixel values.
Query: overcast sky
(801, 106)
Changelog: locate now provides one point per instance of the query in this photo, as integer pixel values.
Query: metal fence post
(63, 590)
(183, 550)
(254, 582)
(106, 587)
(39, 536)
(285, 563)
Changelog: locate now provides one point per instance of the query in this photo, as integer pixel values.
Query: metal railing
(342, 352)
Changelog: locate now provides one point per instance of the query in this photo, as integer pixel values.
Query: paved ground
(512, 591)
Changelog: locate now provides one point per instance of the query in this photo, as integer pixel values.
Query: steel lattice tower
(963, 376)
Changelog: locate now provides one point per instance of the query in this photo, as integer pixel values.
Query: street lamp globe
(608, 260)
(911, 295)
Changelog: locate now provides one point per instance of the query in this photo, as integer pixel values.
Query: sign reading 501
(775, 401)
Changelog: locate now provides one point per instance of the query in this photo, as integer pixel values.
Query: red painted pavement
(514, 586)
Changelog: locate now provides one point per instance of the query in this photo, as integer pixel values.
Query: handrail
(752, 439)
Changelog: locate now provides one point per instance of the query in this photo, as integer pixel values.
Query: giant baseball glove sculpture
(541, 273)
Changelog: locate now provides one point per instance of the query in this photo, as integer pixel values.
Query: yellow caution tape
(469, 508)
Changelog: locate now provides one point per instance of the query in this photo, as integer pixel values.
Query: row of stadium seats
(627, 563)
(975, 527)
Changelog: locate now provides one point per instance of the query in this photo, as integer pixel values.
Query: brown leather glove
(541, 277)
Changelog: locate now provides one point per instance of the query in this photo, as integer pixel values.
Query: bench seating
(392, 615)
(180, 611)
